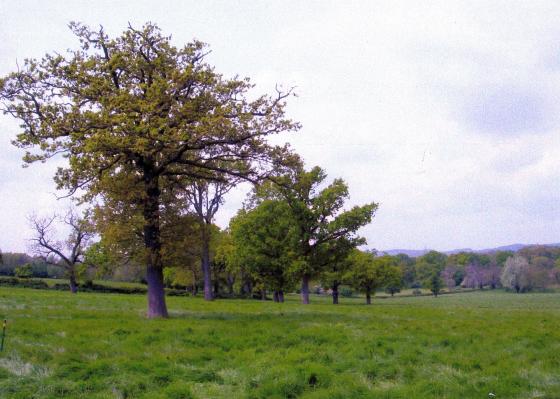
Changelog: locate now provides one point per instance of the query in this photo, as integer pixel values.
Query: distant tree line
(14, 261)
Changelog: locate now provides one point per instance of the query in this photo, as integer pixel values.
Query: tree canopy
(135, 116)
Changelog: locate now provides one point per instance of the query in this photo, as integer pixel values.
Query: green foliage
(137, 119)
(98, 257)
(264, 241)
(460, 346)
(408, 270)
(325, 231)
(435, 284)
(24, 271)
(502, 256)
(369, 273)
(429, 264)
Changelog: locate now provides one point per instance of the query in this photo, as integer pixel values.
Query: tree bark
(230, 281)
(263, 295)
(216, 288)
(205, 262)
(275, 296)
(152, 241)
(305, 289)
(281, 296)
(335, 293)
(368, 297)
(73, 284)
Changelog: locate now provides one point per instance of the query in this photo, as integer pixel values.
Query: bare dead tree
(69, 253)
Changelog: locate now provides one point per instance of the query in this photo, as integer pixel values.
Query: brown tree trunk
(335, 293)
(73, 284)
(152, 241)
(216, 288)
(281, 296)
(230, 281)
(368, 297)
(205, 262)
(305, 289)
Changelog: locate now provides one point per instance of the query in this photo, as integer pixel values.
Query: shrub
(23, 283)
(346, 292)
(24, 271)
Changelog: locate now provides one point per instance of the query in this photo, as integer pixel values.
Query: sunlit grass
(455, 346)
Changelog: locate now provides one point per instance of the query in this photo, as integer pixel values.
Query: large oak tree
(135, 115)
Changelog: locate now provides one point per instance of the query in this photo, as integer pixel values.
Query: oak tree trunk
(335, 293)
(216, 288)
(152, 241)
(230, 281)
(205, 262)
(305, 289)
(73, 284)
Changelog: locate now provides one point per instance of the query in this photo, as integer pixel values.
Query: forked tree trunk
(368, 297)
(281, 296)
(73, 284)
(305, 289)
(335, 293)
(205, 262)
(152, 242)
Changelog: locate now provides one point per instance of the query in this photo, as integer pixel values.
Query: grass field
(455, 346)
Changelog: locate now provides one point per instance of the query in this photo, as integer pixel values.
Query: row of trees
(154, 138)
(141, 121)
(540, 269)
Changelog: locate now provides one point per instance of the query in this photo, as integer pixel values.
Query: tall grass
(456, 346)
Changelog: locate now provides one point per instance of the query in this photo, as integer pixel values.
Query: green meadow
(455, 346)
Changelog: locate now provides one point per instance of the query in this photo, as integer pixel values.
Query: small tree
(263, 241)
(334, 273)
(492, 275)
(368, 273)
(435, 283)
(205, 198)
(475, 276)
(24, 271)
(394, 281)
(68, 254)
(448, 276)
(428, 264)
(514, 273)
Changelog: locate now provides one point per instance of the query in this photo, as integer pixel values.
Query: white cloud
(444, 112)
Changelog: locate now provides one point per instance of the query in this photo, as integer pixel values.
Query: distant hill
(414, 253)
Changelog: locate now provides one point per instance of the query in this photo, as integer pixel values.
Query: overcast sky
(445, 113)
